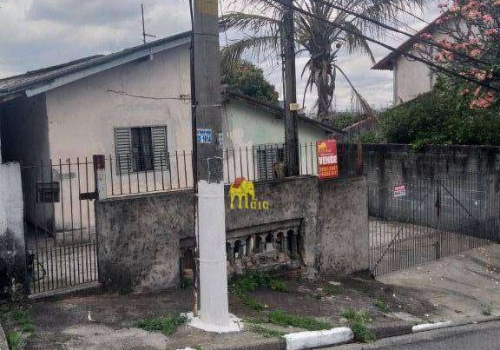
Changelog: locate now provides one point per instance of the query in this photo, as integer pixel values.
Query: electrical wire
(123, 93)
(389, 47)
(396, 30)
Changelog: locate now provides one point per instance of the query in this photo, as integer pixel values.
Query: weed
(488, 311)
(278, 285)
(166, 325)
(266, 332)
(256, 320)
(14, 339)
(282, 318)
(253, 303)
(332, 290)
(197, 347)
(381, 306)
(358, 321)
(23, 320)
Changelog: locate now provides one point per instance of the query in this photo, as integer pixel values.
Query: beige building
(410, 78)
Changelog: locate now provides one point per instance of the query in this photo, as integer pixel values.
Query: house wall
(139, 236)
(411, 78)
(12, 245)
(83, 114)
(82, 117)
(246, 126)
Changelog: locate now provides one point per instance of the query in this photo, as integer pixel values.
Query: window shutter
(123, 149)
(160, 149)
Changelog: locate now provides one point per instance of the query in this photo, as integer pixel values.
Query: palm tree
(261, 22)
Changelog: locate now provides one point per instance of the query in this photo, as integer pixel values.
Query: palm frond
(256, 45)
(367, 109)
(250, 22)
(355, 43)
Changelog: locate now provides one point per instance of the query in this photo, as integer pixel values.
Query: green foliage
(266, 332)
(332, 290)
(381, 306)
(343, 120)
(251, 281)
(166, 325)
(253, 303)
(358, 322)
(488, 311)
(14, 339)
(442, 116)
(282, 318)
(248, 79)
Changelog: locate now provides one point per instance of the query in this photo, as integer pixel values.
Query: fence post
(100, 176)
(359, 165)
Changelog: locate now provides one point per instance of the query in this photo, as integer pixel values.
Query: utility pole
(290, 93)
(210, 218)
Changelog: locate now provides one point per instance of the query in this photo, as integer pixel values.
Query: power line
(389, 47)
(388, 27)
(123, 93)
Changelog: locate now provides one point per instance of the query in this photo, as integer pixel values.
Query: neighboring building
(410, 78)
(133, 106)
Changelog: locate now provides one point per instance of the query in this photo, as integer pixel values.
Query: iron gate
(61, 242)
(431, 218)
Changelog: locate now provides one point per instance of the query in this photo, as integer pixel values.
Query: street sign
(399, 191)
(328, 165)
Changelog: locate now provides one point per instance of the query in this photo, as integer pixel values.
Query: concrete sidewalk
(456, 288)
(461, 286)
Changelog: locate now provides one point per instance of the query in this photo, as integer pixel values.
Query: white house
(411, 78)
(134, 107)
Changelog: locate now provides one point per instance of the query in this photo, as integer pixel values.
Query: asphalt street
(474, 337)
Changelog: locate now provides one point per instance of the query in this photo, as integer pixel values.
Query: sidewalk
(432, 292)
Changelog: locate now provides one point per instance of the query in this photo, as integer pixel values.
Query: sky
(41, 33)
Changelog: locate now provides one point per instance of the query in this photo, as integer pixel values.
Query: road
(474, 337)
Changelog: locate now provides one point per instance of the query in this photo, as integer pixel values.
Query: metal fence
(174, 170)
(61, 243)
(431, 218)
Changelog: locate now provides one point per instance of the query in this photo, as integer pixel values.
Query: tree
(249, 79)
(322, 42)
(471, 47)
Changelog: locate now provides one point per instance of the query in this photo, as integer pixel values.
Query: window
(141, 149)
(268, 158)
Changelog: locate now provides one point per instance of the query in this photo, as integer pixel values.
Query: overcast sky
(39, 33)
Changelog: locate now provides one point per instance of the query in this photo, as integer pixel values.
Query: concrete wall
(139, 236)
(464, 180)
(12, 249)
(411, 78)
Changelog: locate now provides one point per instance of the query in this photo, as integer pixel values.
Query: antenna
(144, 34)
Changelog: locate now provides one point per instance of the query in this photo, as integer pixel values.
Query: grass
(253, 303)
(14, 340)
(18, 325)
(166, 325)
(266, 332)
(250, 282)
(488, 311)
(358, 321)
(381, 306)
(282, 318)
(332, 290)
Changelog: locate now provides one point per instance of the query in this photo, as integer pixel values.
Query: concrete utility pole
(290, 93)
(211, 226)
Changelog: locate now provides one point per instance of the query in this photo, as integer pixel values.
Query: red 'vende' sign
(328, 165)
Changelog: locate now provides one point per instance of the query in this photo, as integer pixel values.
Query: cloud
(40, 33)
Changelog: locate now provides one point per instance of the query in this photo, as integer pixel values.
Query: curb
(399, 330)
(338, 336)
(3, 341)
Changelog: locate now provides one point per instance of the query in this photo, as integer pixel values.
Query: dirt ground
(103, 321)
(465, 285)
